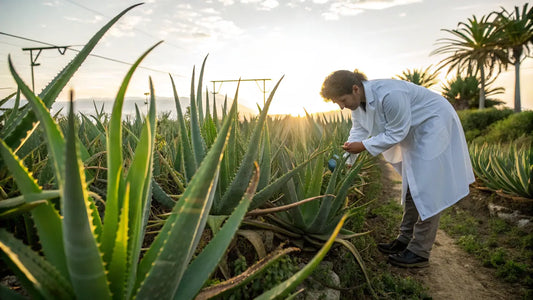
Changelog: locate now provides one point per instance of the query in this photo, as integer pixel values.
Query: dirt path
(453, 273)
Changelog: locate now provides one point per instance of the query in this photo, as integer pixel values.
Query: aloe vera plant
(507, 168)
(314, 221)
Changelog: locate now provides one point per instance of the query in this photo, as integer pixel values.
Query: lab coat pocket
(431, 139)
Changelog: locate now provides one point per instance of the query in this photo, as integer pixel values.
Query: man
(419, 133)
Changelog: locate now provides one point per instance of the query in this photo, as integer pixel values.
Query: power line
(94, 55)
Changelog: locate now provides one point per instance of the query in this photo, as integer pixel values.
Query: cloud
(259, 4)
(339, 8)
(51, 3)
(227, 2)
(127, 25)
(94, 20)
(190, 24)
(269, 4)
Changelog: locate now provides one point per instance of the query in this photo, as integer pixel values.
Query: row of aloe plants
(506, 168)
(212, 164)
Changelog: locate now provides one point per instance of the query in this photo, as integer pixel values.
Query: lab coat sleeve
(357, 134)
(397, 116)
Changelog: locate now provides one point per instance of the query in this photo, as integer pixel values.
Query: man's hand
(354, 147)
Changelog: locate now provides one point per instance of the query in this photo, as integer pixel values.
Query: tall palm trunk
(517, 52)
(482, 89)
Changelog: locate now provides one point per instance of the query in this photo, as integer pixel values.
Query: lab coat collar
(369, 95)
(370, 109)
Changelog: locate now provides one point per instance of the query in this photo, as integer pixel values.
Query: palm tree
(473, 50)
(425, 78)
(517, 36)
(463, 92)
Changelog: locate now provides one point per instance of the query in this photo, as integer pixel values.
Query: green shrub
(516, 126)
(476, 121)
(511, 271)
(396, 287)
(480, 119)
(470, 244)
(497, 258)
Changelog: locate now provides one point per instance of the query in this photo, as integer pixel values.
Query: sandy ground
(453, 273)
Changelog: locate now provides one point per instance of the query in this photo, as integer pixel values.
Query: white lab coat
(420, 134)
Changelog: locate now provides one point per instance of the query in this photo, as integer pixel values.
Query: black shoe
(408, 259)
(392, 248)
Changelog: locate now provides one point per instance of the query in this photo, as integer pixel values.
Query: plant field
(207, 205)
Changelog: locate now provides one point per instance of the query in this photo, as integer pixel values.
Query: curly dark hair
(340, 83)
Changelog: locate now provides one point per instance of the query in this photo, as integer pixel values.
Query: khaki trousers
(419, 235)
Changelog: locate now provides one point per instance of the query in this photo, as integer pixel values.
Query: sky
(297, 41)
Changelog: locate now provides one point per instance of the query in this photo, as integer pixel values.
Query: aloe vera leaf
(5, 99)
(46, 218)
(161, 197)
(360, 261)
(236, 189)
(229, 160)
(266, 160)
(147, 188)
(40, 278)
(233, 148)
(209, 131)
(199, 93)
(54, 137)
(290, 284)
(189, 159)
(20, 209)
(198, 144)
(204, 264)
(215, 113)
(292, 233)
(263, 195)
(333, 207)
(138, 173)
(25, 182)
(316, 128)
(255, 239)
(114, 163)
(275, 209)
(207, 108)
(163, 265)
(313, 186)
(245, 277)
(291, 195)
(504, 181)
(87, 273)
(14, 112)
(119, 264)
(25, 122)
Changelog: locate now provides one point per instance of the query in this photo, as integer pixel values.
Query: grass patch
(494, 242)
(395, 287)
(391, 211)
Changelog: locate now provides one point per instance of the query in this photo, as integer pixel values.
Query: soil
(453, 273)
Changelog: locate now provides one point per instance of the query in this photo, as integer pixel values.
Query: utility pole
(237, 80)
(61, 49)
